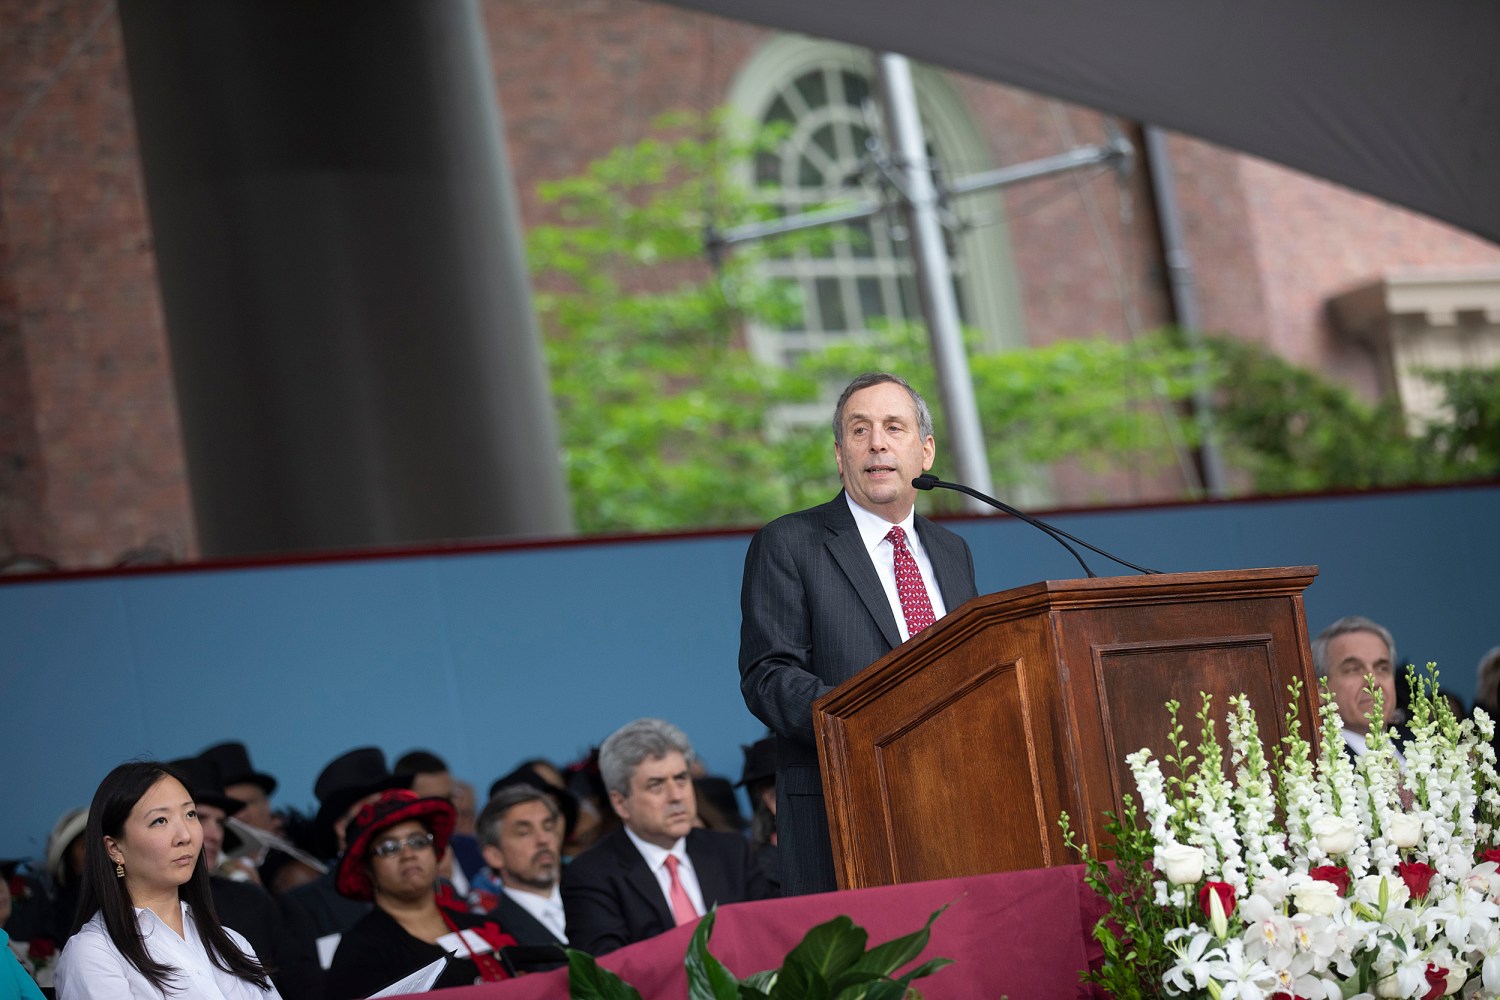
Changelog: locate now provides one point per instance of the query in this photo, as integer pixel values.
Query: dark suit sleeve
(595, 912)
(776, 639)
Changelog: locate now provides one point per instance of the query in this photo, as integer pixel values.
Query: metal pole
(1184, 303)
(934, 277)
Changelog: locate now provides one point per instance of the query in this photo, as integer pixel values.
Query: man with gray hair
(520, 835)
(1355, 654)
(829, 590)
(660, 870)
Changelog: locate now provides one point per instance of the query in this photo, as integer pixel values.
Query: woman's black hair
(102, 892)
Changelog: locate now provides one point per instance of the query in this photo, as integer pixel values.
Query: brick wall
(88, 414)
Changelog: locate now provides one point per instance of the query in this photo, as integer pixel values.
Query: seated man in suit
(520, 835)
(659, 871)
(1350, 652)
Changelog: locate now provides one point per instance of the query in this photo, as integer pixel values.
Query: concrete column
(356, 356)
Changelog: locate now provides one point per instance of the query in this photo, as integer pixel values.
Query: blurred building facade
(91, 458)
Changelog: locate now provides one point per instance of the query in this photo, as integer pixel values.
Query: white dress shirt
(91, 968)
(547, 909)
(872, 531)
(656, 860)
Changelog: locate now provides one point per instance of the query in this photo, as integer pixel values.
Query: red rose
(1223, 890)
(1437, 979)
(1418, 876)
(42, 948)
(1336, 875)
(1493, 854)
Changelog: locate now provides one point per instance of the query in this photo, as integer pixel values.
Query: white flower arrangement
(1309, 877)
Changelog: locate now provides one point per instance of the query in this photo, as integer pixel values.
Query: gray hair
(1488, 680)
(487, 826)
(924, 415)
(1351, 623)
(632, 743)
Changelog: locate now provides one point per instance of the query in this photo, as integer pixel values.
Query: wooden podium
(953, 754)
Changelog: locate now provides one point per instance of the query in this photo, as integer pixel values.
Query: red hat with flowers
(393, 807)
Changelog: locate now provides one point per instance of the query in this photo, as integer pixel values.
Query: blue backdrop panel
(489, 657)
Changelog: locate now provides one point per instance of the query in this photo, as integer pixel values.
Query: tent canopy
(1396, 98)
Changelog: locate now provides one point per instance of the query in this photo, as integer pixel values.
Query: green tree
(669, 423)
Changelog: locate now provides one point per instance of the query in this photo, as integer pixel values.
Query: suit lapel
(848, 550)
(712, 879)
(641, 879)
(951, 570)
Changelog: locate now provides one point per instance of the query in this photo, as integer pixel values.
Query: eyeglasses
(417, 842)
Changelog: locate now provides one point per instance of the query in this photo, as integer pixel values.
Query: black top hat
(233, 762)
(203, 784)
(567, 802)
(350, 777)
(760, 761)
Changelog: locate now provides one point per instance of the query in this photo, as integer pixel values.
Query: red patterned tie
(683, 910)
(916, 607)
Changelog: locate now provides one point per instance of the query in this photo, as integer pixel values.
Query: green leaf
(887, 958)
(707, 977)
(588, 980)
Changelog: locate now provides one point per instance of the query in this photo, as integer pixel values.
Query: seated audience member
(65, 860)
(1487, 684)
(538, 775)
(607, 891)
(15, 981)
(151, 927)
(596, 817)
(464, 808)
(394, 843)
(758, 778)
(317, 913)
(283, 871)
(243, 782)
(718, 808)
(431, 779)
(243, 905)
(1352, 653)
(520, 833)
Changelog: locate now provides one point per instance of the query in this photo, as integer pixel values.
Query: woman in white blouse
(148, 928)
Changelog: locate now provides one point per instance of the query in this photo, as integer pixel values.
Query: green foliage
(1132, 933)
(663, 412)
(668, 422)
(830, 963)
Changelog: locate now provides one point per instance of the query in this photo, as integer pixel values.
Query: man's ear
(492, 857)
(621, 805)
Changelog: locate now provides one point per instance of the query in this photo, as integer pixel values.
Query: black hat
(393, 807)
(567, 802)
(350, 777)
(203, 784)
(233, 762)
(719, 794)
(760, 761)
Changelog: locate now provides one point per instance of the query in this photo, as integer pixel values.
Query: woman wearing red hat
(392, 857)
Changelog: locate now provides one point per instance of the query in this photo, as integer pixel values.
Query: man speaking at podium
(829, 590)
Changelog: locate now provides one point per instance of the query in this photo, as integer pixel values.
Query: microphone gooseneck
(927, 481)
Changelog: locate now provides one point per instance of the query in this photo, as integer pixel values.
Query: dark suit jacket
(813, 615)
(515, 920)
(612, 899)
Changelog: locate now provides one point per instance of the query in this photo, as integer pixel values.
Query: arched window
(817, 91)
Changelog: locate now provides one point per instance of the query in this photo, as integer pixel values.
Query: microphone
(927, 481)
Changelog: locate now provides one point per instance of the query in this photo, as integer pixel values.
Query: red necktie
(916, 606)
(683, 910)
